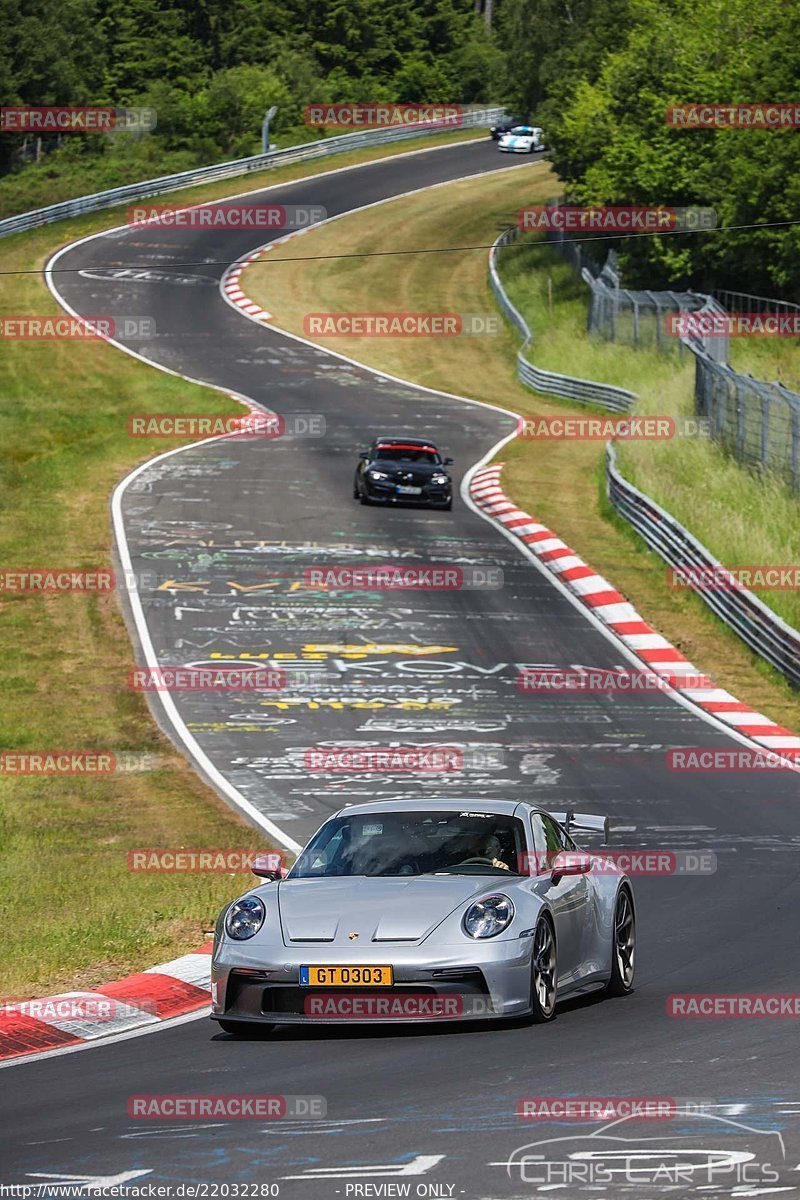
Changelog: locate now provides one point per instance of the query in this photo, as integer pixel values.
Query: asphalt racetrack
(231, 527)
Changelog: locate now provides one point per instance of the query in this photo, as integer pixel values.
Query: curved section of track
(229, 530)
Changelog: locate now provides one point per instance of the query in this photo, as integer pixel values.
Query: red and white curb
(610, 607)
(231, 280)
(172, 989)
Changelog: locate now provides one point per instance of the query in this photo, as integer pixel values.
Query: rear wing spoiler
(575, 822)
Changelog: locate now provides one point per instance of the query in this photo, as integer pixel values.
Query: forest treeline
(599, 76)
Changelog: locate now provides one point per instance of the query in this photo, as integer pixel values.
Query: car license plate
(346, 976)
(404, 490)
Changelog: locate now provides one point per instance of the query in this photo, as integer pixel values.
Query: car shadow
(356, 1031)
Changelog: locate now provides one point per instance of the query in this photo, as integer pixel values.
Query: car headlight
(439, 479)
(488, 917)
(244, 918)
(377, 475)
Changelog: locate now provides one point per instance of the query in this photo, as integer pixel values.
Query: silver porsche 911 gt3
(427, 910)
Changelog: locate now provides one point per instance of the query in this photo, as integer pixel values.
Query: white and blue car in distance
(522, 139)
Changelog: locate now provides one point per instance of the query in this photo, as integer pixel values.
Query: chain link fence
(758, 422)
(618, 314)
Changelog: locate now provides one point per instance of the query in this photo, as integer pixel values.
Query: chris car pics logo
(698, 1153)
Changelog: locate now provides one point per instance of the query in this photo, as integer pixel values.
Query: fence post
(740, 431)
(764, 399)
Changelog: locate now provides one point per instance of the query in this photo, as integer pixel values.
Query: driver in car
(486, 849)
(492, 850)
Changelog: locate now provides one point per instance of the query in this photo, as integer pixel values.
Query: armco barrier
(240, 166)
(583, 390)
(754, 622)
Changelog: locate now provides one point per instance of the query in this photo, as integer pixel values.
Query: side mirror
(364, 455)
(268, 866)
(570, 862)
(448, 462)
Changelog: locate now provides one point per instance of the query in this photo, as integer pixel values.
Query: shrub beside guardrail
(755, 622)
(230, 170)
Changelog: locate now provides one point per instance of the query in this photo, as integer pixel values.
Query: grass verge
(65, 658)
(559, 482)
(744, 518)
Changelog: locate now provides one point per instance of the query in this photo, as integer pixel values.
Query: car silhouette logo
(352, 936)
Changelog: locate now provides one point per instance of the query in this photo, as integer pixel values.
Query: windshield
(414, 843)
(410, 454)
(522, 130)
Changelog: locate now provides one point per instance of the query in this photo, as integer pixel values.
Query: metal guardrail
(585, 391)
(755, 622)
(750, 618)
(239, 166)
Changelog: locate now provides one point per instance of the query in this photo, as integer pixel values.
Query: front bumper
(429, 496)
(436, 984)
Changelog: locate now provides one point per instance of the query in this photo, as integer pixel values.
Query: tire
(623, 950)
(448, 506)
(544, 984)
(356, 493)
(243, 1028)
(364, 498)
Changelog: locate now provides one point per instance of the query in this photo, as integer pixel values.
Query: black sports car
(397, 470)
